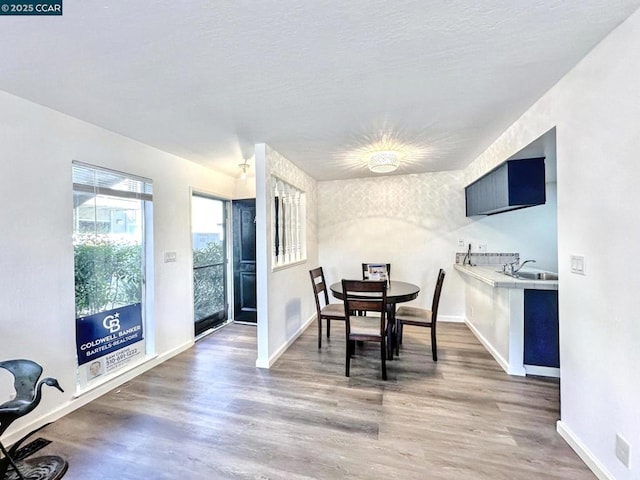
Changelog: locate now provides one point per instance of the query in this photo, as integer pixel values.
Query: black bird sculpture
(28, 395)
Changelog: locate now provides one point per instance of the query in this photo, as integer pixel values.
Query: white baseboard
(542, 371)
(286, 345)
(82, 398)
(451, 318)
(262, 364)
(583, 452)
(521, 372)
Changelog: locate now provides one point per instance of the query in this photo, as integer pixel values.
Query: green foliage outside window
(208, 280)
(108, 273)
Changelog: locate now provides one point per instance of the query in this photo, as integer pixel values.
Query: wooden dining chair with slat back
(421, 317)
(366, 296)
(365, 275)
(324, 309)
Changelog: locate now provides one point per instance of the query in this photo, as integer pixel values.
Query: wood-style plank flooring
(210, 414)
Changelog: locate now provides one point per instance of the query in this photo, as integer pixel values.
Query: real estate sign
(105, 332)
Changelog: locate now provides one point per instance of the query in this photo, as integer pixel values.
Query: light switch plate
(578, 264)
(623, 451)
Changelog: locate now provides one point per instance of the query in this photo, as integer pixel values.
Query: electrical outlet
(470, 312)
(461, 242)
(623, 451)
(170, 257)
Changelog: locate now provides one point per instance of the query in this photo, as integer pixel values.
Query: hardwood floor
(210, 414)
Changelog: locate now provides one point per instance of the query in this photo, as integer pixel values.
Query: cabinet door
(526, 182)
(541, 336)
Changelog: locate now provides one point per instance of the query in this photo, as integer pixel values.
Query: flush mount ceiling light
(244, 167)
(384, 161)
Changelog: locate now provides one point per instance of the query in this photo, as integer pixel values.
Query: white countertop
(489, 274)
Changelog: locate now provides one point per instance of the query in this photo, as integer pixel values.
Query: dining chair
(365, 296)
(365, 275)
(324, 309)
(421, 317)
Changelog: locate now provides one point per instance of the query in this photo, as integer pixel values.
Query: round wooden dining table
(397, 292)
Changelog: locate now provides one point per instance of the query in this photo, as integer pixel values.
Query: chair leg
(319, 332)
(434, 345)
(398, 337)
(348, 359)
(383, 356)
(328, 328)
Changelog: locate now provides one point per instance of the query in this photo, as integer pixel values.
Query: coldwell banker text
(31, 7)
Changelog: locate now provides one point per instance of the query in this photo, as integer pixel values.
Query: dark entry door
(244, 260)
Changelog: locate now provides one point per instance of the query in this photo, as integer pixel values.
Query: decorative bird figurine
(28, 393)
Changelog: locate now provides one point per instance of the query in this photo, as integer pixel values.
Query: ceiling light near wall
(244, 167)
(384, 161)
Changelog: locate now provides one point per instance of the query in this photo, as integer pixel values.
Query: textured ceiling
(320, 81)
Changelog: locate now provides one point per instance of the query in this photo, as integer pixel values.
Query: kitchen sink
(537, 275)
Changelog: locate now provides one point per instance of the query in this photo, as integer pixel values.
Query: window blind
(97, 180)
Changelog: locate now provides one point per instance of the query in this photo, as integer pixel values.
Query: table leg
(391, 330)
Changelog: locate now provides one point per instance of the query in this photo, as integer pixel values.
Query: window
(109, 259)
(289, 220)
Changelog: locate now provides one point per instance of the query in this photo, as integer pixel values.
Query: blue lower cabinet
(541, 328)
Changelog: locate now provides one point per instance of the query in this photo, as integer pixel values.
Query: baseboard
(542, 371)
(583, 452)
(451, 318)
(494, 353)
(262, 364)
(273, 358)
(86, 396)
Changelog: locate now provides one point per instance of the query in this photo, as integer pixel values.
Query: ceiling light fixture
(244, 167)
(384, 161)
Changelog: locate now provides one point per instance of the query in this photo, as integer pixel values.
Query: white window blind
(101, 181)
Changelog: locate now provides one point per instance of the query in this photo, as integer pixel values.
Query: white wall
(37, 322)
(595, 109)
(414, 222)
(285, 299)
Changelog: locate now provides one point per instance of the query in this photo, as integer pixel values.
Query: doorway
(209, 243)
(244, 261)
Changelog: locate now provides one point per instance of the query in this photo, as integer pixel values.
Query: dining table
(397, 292)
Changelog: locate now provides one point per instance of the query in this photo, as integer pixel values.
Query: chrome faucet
(515, 268)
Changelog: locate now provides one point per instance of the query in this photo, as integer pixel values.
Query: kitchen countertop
(490, 275)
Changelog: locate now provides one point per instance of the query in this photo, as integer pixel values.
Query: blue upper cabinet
(511, 185)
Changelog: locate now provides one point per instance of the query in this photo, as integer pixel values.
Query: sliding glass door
(209, 241)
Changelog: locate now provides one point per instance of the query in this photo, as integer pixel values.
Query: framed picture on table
(378, 271)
